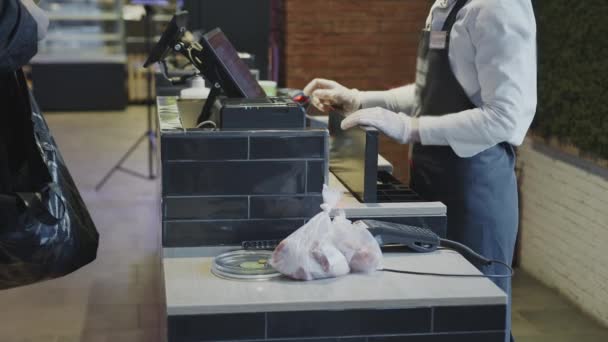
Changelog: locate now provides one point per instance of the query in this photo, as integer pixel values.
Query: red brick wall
(363, 44)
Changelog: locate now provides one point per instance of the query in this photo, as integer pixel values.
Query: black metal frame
(195, 54)
(150, 133)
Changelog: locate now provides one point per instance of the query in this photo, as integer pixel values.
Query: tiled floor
(541, 315)
(116, 298)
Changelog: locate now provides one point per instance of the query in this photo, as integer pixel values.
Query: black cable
(464, 250)
(494, 276)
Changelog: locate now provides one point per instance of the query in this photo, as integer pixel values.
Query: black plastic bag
(45, 229)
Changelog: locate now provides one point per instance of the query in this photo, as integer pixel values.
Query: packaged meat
(326, 248)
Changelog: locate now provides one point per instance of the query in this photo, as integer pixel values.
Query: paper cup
(270, 87)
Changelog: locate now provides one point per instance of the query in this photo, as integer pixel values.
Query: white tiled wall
(565, 229)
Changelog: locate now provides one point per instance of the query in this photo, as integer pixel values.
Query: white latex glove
(42, 19)
(328, 95)
(397, 126)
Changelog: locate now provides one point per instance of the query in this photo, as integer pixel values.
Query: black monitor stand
(205, 115)
(211, 71)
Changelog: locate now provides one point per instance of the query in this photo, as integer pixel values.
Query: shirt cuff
(372, 99)
(432, 131)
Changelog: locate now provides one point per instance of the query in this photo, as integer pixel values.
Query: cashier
(473, 101)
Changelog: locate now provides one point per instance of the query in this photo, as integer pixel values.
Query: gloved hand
(397, 126)
(327, 95)
(42, 19)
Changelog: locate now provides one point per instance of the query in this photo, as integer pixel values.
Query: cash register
(236, 100)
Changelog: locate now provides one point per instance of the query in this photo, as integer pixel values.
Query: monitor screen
(169, 37)
(235, 77)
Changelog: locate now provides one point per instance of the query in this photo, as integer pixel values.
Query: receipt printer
(259, 113)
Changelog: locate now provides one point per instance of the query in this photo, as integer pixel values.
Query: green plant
(573, 72)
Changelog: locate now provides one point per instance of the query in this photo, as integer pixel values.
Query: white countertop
(353, 208)
(191, 288)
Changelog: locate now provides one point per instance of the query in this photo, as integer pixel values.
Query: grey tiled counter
(227, 186)
(378, 307)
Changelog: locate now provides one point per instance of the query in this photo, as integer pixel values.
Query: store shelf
(81, 59)
(162, 17)
(83, 30)
(109, 16)
(46, 3)
(107, 37)
(85, 49)
(141, 40)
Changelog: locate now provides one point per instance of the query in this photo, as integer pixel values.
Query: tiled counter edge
(463, 323)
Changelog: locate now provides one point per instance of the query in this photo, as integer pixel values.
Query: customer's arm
(18, 35)
(42, 20)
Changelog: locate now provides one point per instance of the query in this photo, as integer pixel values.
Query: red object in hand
(301, 99)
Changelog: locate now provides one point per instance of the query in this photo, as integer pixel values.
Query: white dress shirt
(493, 56)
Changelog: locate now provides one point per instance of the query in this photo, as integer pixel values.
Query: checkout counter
(379, 307)
(223, 184)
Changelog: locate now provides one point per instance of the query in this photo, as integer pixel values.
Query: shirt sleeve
(396, 100)
(503, 34)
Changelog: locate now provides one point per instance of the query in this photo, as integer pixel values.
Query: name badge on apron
(439, 40)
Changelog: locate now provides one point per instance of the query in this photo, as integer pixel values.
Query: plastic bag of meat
(357, 244)
(323, 248)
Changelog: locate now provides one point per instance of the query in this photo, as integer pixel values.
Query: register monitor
(246, 105)
(230, 72)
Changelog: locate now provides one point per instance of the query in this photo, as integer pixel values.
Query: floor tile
(538, 297)
(563, 338)
(522, 327)
(565, 321)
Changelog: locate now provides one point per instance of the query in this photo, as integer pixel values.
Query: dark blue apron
(480, 192)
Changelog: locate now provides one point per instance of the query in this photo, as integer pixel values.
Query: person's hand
(328, 95)
(42, 19)
(397, 126)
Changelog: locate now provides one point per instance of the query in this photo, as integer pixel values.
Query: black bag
(45, 229)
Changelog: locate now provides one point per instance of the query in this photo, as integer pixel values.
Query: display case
(85, 37)
(82, 30)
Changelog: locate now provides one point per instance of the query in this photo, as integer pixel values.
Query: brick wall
(565, 228)
(363, 44)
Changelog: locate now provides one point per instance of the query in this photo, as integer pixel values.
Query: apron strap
(449, 22)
